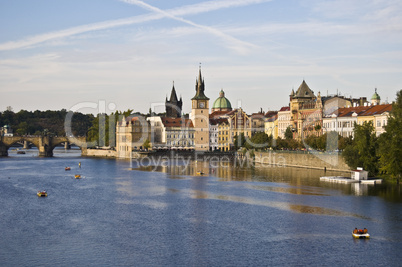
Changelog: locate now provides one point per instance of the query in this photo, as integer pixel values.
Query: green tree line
(45, 122)
(382, 154)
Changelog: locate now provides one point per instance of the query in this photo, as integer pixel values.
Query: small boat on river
(77, 176)
(360, 234)
(42, 193)
(200, 173)
(67, 168)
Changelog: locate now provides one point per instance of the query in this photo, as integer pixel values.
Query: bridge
(45, 144)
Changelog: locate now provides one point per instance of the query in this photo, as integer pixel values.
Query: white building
(179, 133)
(158, 131)
(283, 121)
(213, 134)
(6, 131)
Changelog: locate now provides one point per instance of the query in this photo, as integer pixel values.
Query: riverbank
(323, 161)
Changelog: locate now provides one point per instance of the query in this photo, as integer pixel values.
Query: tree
(363, 150)
(390, 142)
(288, 133)
(259, 140)
(146, 145)
(22, 128)
(239, 141)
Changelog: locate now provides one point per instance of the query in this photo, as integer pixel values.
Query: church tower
(200, 115)
(173, 106)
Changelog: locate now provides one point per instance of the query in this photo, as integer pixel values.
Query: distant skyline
(125, 54)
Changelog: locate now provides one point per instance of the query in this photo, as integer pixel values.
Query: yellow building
(224, 137)
(240, 123)
(375, 114)
(306, 112)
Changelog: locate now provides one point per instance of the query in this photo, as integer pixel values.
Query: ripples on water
(120, 214)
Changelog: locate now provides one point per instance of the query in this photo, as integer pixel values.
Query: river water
(121, 214)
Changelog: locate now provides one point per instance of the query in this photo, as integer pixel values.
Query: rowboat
(360, 234)
(42, 193)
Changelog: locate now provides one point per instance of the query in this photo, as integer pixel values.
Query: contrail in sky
(230, 39)
(172, 13)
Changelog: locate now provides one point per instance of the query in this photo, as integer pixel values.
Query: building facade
(200, 116)
(131, 135)
(283, 121)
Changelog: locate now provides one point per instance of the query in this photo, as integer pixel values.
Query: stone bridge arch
(45, 144)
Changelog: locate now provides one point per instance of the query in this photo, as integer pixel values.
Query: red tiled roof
(285, 109)
(270, 114)
(378, 109)
(347, 112)
(177, 122)
(363, 110)
(272, 118)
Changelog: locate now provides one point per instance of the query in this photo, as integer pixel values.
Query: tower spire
(199, 87)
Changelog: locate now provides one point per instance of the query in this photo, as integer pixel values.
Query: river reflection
(288, 180)
(189, 213)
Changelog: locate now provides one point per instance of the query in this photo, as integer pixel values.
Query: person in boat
(355, 231)
(365, 231)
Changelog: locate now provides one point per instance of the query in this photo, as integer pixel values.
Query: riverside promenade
(300, 159)
(303, 159)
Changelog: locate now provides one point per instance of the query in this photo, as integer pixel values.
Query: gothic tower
(173, 106)
(200, 115)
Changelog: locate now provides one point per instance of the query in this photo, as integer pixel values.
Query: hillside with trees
(45, 122)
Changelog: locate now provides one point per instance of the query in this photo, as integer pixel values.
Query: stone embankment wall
(330, 162)
(101, 153)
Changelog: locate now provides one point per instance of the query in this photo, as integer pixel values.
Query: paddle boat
(42, 193)
(67, 168)
(77, 176)
(200, 173)
(360, 234)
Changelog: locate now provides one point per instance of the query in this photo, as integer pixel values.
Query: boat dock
(357, 176)
(338, 179)
(346, 180)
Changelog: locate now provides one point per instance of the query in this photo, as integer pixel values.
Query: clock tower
(200, 115)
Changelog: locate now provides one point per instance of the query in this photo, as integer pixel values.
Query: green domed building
(221, 103)
(375, 99)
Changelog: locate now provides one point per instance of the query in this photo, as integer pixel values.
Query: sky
(97, 56)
